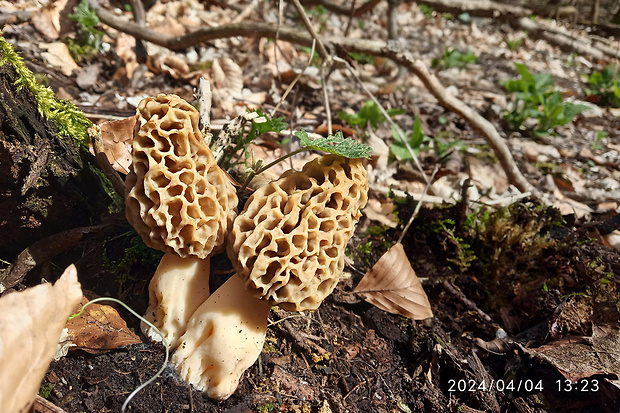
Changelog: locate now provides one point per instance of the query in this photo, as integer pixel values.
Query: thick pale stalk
(224, 338)
(178, 288)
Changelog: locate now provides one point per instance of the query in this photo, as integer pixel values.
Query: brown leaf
(117, 137)
(59, 57)
(30, 325)
(100, 328)
(227, 74)
(392, 285)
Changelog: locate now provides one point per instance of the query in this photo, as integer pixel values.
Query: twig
(304, 18)
(417, 207)
(204, 96)
(328, 111)
(454, 290)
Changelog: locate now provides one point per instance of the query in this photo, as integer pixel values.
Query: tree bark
(45, 182)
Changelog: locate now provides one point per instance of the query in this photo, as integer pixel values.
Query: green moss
(70, 120)
(38, 204)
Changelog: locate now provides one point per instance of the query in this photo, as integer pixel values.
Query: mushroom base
(178, 288)
(224, 338)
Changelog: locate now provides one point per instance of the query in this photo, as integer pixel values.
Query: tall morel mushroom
(180, 202)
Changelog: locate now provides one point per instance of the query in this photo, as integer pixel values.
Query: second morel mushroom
(287, 247)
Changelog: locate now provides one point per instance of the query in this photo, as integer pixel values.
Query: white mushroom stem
(178, 288)
(224, 338)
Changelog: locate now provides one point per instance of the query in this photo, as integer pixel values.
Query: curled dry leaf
(392, 285)
(117, 137)
(580, 357)
(227, 74)
(59, 57)
(100, 328)
(30, 325)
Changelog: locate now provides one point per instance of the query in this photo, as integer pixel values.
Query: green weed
(368, 114)
(91, 40)
(454, 58)
(603, 87)
(536, 99)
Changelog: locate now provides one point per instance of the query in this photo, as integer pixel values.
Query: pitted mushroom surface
(288, 244)
(178, 199)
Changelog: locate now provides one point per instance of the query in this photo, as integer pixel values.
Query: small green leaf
(336, 144)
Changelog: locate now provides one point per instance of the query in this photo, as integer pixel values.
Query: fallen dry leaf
(392, 285)
(59, 57)
(117, 137)
(100, 328)
(227, 74)
(30, 325)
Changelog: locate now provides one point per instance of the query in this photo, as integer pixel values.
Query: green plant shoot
(536, 99)
(368, 114)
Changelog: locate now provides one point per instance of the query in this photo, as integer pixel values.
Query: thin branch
(417, 207)
(304, 18)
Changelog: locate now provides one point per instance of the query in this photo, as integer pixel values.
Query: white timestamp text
(471, 385)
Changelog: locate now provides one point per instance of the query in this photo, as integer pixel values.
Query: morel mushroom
(288, 249)
(288, 244)
(180, 202)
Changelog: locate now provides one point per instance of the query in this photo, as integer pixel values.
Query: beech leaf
(392, 285)
(117, 137)
(100, 328)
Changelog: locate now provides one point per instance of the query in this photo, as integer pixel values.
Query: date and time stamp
(590, 385)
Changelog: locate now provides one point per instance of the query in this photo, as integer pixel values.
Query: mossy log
(47, 181)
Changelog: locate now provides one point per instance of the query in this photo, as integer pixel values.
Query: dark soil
(351, 356)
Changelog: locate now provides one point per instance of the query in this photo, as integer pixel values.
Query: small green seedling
(603, 88)
(91, 40)
(369, 114)
(418, 141)
(536, 99)
(454, 58)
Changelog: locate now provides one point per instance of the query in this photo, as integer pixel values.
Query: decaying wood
(389, 50)
(41, 252)
(44, 177)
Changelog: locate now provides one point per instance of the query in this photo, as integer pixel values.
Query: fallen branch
(479, 8)
(567, 40)
(390, 50)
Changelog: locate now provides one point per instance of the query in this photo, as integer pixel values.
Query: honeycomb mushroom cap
(177, 198)
(288, 244)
